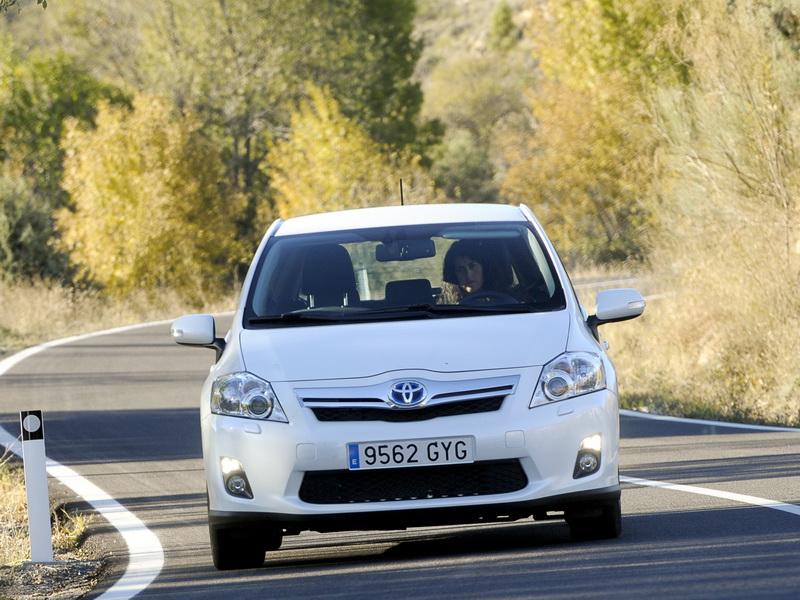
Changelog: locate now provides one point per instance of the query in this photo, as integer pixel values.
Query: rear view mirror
(405, 250)
(614, 306)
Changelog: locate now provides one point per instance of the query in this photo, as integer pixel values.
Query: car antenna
(401, 192)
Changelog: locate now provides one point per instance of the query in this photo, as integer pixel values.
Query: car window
(378, 273)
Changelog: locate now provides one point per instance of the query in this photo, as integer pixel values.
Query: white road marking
(641, 415)
(693, 489)
(145, 553)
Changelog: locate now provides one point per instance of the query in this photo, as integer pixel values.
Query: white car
(405, 366)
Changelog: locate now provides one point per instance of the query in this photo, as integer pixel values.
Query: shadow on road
(709, 471)
(104, 436)
(639, 427)
(727, 553)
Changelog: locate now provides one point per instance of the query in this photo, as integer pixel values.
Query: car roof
(417, 214)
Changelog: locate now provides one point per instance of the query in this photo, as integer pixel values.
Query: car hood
(345, 351)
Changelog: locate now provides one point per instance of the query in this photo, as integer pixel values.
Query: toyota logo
(407, 394)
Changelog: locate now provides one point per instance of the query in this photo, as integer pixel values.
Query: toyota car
(407, 366)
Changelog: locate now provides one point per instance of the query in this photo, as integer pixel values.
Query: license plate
(410, 453)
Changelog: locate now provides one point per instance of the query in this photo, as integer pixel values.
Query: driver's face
(469, 273)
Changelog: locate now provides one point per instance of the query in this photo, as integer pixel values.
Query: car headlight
(571, 374)
(245, 395)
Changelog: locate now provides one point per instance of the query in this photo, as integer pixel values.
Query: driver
(471, 267)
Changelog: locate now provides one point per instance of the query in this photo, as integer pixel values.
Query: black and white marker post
(34, 459)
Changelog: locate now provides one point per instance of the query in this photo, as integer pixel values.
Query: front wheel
(605, 525)
(237, 548)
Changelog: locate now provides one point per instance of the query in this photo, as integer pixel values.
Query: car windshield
(386, 273)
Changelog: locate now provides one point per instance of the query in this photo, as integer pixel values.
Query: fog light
(587, 463)
(588, 459)
(230, 465)
(234, 477)
(237, 485)
(593, 442)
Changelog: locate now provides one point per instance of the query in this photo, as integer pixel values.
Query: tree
(365, 54)
(480, 98)
(328, 162)
(151, 207)
(585, 174)
(241, 66)
(37, 94)
(590, 165)
(26, 229)
(503, 33)
(463, 169)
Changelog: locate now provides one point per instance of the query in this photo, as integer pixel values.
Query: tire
(235, 549)
(606, 525)
(238, 548)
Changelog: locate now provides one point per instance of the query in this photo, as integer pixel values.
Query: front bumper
(578, 502)
(544, 440)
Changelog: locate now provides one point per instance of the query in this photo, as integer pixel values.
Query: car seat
(328, 277)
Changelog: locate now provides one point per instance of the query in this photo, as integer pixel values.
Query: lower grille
(386, 485)
(404, 416)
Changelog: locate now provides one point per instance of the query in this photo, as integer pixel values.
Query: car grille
(404, 416)
(417, 483)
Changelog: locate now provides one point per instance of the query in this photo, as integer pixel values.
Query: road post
(33, 454)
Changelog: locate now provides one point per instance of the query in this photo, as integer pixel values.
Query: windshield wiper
(295, 317)
(446, 309)
(388, 312)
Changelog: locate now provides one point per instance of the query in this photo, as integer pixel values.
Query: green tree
(481, 101)
(463, 170)
(328, 162)
(151, 208)
(365, 54)
(37, 94)
(26, 229)
(503, 33)
(241, 66)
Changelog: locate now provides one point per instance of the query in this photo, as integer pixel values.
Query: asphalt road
(122, 411)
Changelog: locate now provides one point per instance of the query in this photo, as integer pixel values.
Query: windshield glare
(389, 272)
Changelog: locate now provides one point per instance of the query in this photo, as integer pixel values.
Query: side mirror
(197, 330)
(616, 305)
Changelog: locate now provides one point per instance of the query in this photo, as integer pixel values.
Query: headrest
(409, 291)
(327, 269)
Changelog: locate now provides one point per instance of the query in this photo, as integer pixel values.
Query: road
(121, 410)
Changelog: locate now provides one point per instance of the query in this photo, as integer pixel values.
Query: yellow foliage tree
(150, 209)
(588, 169)
(329, 163)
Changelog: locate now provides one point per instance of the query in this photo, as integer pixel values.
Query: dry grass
(68, 529)
(40, 311)
(14, 545)
(724, 343)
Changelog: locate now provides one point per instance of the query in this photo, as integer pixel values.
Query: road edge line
(145, 552)
(693, 489)
(643, 415)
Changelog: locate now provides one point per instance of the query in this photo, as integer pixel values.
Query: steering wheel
(489, 297)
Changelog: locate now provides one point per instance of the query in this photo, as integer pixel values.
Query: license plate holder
(425, 452)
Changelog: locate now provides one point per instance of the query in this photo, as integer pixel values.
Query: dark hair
(490, 254)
